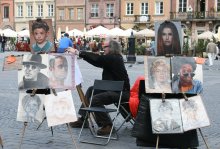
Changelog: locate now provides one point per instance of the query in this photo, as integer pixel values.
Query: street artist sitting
(113, 69)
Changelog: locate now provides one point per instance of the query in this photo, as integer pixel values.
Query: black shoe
(79, 123)
(105, 130)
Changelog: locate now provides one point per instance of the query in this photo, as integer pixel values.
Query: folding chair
(103, 85)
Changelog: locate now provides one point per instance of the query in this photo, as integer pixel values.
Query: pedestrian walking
(211, 49)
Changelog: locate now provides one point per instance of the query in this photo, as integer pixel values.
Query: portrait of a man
(61, 71)
(166, 116)
(30, 108)
(60, 109)
(32, 75)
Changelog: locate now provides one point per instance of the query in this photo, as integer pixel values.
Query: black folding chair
(103, 85)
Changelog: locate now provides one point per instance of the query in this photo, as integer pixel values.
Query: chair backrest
(108, 85)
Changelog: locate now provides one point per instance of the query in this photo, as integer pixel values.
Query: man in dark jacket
(113, 69)
(33, 78)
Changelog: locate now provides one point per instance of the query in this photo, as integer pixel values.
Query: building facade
(196, 16)
(26, 10)
(103, 12)
(70, 14)
(7, 14)
(139, 14)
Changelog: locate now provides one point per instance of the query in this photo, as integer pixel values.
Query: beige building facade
(7, 14)
(26, 10)
(141, 14)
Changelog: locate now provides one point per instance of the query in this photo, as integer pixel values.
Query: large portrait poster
(34, 73)
(165, 116)
(194, 114)
(157, 74)
(186, 75)
(168, 37)
(30, 108)
(41, 35)
(60, 109)
(61, 71)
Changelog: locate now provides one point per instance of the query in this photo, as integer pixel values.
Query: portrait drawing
(30, 108)
(60, 109)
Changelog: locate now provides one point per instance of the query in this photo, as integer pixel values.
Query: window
(144, 8)
(40, 10)
(94, 10)
(109, 10)
(6, 12)
(61, 14)
(218, 5)
(79, 13)
(71, 13)
(159, 8)
(29, 10)
(182, 5)
(20, 10)
(130, 8)
(50, 10)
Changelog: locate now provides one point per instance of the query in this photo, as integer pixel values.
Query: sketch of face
(31, 72)
(161, 74)
(32, 107)
(167, 36)
(190, 108)
(60, 69)
(186, 73)
(166, 109)
(40, 35)
(61, 108)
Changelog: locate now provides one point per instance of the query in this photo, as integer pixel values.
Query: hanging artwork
(60, 109)
(44, 28)
(30, 108)
(34, 73)
(186, 75)
(178, 115)
(168, 38)
(165, 116)
(12, 62)
(61, 71)
(157, 74)
(194, 114)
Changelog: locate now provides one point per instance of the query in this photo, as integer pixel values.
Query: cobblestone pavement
(10, 129)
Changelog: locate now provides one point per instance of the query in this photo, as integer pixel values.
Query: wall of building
(7, 22)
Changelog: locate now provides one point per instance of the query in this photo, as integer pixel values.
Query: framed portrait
(61, 71)
(187, 76)
(157, 74)
(44, 28)
(165, 116)
(12, 62)
(34, 73)
(168, 38)
(194, 114)
(60, 109)
(30, 108)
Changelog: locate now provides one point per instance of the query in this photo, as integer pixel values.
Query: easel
(200, 131)
(1, 142)
(25, 124)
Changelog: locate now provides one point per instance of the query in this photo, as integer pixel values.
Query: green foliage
(201, 46)
(140, 50)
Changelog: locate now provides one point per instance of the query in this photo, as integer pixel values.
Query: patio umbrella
(9, 33)
(207, 35)
(23, 33)
(98, 31)
(75, 32)
(116, 32)
(146, 32)
(127, 32)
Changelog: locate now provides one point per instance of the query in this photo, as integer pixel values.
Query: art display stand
(25, 125)
(200, 131)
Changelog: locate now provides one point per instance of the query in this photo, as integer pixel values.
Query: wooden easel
(200, 131)
(25, 124)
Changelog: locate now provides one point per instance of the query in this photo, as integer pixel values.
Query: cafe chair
(102, 85)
